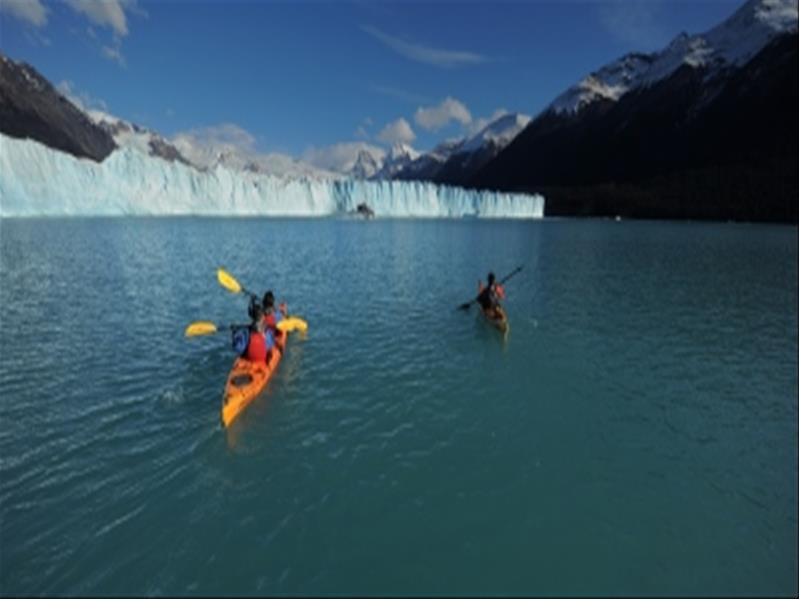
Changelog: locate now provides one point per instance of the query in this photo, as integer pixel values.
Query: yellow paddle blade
(292, 323)
(227, 281)
(200, 328)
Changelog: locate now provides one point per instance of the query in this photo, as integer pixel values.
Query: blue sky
(301, 77)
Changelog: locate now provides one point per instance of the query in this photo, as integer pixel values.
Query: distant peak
(499, 132)
(402, 150)
(731, 43)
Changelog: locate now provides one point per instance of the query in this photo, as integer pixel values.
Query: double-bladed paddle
(204, 327)
(229, 282)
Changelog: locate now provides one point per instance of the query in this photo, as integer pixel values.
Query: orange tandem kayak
(246, 380)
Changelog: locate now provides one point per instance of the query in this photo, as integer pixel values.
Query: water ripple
(642, 410)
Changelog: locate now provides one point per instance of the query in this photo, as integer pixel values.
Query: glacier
(38, 181)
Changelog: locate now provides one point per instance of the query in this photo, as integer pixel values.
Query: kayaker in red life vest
(488, 297)
(257, 347)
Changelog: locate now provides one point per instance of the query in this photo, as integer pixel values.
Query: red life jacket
(256, 348)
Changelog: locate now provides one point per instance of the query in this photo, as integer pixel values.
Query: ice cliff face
(38, 181)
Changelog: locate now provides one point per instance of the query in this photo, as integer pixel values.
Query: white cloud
(425, 54)
(112, 14)
(107, 13)
(30, 11)
(211, 141)
(398, 131)
(433, 118)
(340, 157)
(234, 147)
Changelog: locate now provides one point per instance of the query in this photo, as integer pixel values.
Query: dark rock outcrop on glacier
(30, 107)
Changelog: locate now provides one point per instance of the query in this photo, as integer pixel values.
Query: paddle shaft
(513, 274)
(505, 278)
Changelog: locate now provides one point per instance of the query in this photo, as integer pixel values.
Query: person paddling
(488, 297)
(262, 337)
(273, 315)
(256, 346)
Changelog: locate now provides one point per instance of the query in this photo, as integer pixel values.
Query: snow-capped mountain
(366, 165)
(472, 153)
(399, 156)
(731, 44)
(608, 83)
(209, 154)
(454, 160)
(706, 128)
(427, 165)
(203, 154)
(31, 107)
(445, 149)
(130, 135)
(498, 133)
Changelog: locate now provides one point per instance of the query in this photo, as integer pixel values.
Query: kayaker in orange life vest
(488, 297)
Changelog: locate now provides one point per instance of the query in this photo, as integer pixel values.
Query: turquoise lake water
(635, 433)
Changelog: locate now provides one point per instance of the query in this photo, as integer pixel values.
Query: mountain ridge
(31, 107)
(685, 147)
